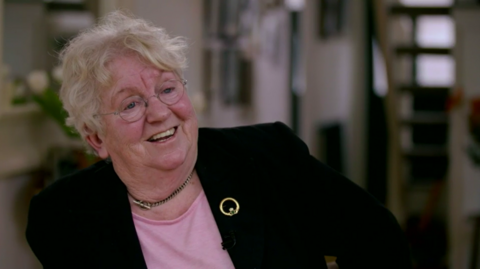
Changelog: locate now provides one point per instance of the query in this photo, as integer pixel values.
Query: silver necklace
(147, 205)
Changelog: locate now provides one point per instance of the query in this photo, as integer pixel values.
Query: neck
(172, 208)
(149, 204)
(152, 183)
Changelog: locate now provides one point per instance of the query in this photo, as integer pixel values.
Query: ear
(96, 141)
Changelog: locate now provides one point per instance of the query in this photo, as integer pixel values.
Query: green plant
(44, 92)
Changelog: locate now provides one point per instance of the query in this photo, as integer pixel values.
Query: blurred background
(385, 91)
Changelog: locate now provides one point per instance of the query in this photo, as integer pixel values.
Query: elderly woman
(171, 195)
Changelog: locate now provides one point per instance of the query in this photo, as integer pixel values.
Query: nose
(156, 110)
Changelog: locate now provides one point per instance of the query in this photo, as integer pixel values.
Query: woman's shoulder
(274, 137)
(76, 184)
(257, 130)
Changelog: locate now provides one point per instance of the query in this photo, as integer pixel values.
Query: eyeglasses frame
(157, 95)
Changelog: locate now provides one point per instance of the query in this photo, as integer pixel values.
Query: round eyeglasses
(133, 108)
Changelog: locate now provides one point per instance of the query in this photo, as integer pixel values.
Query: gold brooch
(231, 211)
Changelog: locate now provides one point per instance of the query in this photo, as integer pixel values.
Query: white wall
(335, 83)
(25, 40)
(464, 177)
(271, 72)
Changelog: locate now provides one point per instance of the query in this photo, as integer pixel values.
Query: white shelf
(20, 110)
(470, 6)
(17, 165)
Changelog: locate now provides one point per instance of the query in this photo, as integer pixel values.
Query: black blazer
(293, 210)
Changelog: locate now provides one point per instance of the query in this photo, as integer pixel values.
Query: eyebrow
(164, 77)
(116, 94)
(168, 76)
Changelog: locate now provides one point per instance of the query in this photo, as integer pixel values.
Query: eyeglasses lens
(133, 108)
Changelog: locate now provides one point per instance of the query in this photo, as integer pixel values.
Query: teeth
(164, 134)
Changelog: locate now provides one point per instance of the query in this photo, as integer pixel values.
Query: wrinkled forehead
(128, 67)
(131, 72)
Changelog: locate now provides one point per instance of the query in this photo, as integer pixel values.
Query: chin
(171, 161)
(169, 165)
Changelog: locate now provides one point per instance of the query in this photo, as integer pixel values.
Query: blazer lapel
(106, 220)
(225, 176)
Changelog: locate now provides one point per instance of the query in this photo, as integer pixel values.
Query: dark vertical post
(414, 56)
(294, 70)
(377, 132)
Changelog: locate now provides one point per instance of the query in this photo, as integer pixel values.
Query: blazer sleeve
(37, 234)
(354, 227)
(45, 231)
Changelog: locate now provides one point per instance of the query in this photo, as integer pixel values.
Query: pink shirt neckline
(190, 241)
(173, 221)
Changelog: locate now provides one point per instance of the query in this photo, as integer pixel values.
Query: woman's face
(130, 144)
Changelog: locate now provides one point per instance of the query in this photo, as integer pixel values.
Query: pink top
(189, 241)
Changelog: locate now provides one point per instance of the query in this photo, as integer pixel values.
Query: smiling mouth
(163, 136)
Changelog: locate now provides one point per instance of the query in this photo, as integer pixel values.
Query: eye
(131, 103)
(130, 106)
(168, 90)
(169, 87)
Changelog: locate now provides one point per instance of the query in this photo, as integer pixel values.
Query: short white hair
(86, 57)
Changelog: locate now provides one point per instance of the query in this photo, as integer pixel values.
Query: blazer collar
(224, 175)
(107, 219)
